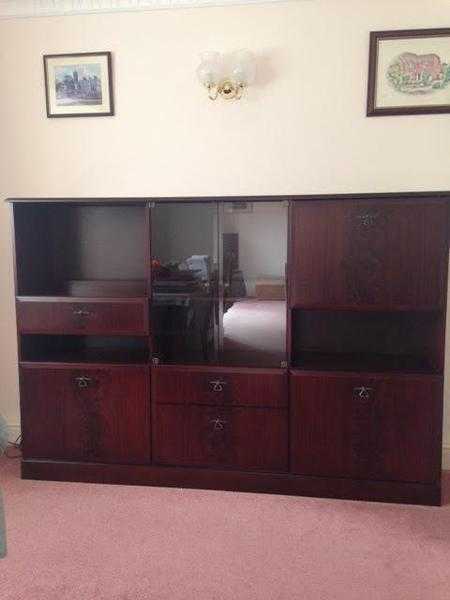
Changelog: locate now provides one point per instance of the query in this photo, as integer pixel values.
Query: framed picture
(78, 85)
(409, 72)
(239, 207)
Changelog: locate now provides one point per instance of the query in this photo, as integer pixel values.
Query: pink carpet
(102, 542)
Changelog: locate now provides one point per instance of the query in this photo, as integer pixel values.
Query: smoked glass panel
(252, 328)
(184, 282)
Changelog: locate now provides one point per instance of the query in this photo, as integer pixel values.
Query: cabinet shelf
(81, 250)
(387, 341)
(98, 289)
(367, 308)
(84, 349)
(369, 363)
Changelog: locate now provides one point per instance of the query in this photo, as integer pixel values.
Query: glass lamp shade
(209, 70)
(243, 67)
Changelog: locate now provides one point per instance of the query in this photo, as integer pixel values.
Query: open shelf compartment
(84, 349)
(81, 250)
(384, 341)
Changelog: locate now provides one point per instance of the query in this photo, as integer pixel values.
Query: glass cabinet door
(252, 317)
(184, 315)
(219, 283)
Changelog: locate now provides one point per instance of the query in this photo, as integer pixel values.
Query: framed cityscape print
(78, 85)
(409, 72)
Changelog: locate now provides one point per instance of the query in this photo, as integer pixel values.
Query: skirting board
(446, 458)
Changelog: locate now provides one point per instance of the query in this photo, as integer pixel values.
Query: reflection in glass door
(252, 328)
(184, 282)
(219, 283)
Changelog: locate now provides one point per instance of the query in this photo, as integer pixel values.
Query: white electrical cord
(12, 450)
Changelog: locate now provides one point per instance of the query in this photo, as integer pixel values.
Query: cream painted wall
(301, 129)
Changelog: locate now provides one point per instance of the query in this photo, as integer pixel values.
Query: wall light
(226, 76)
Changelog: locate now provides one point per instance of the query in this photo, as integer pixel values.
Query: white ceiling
(41, 8)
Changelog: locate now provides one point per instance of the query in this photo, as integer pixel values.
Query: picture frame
(239, 207)
(409, 72)
(78, 84)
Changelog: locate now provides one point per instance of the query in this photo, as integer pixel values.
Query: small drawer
(236, 387)
(60, 316)
(246, 438)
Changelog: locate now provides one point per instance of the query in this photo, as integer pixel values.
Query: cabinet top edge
(439, 195)
(92, 200)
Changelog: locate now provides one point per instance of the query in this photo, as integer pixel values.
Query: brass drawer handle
(363, 392)
(83, 382)
(218, 424)
(82, 313)
(217, 385)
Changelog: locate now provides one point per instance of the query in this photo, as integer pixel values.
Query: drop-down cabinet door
(385, 254)
(366, 426)
(95, 414)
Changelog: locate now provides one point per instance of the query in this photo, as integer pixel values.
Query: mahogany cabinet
(271, 344)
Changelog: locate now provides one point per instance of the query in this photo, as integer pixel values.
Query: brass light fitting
(226, 76)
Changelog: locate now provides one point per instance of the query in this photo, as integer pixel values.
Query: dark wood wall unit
(148, 355)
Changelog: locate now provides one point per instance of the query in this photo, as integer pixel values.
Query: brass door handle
(83, 382)
(82, 313)
(363, 392)
(217, 385)
(219, 424)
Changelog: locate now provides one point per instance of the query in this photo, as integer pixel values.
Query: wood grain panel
(390, 432)
(89, 413)
(243, 438)
(222, 386)
(87, 317)
(363, 253)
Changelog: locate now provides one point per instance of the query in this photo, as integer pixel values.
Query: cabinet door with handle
(241, 438)
(366, 427)
(91, 414)
(372, 253)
